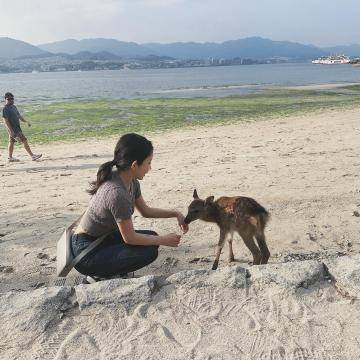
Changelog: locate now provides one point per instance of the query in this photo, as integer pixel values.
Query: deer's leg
(231, 253)
(250, 244)
(218, 249)
(265, 253)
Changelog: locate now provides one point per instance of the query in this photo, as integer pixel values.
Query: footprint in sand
(74, 345)
(307, 354)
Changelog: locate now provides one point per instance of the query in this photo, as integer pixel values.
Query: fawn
(238, 213)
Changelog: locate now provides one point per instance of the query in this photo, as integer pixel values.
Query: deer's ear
(195, 195)
(209, 200)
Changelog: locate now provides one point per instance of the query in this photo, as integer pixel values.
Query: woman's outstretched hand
(184, 227)
(171, 239)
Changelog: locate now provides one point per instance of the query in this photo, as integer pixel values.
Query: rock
(288, 275)
(302, 256)
(25, 316)
(127, 292)
(356, 213)
(346, 273)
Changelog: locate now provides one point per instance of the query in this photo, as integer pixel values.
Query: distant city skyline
(318, 22)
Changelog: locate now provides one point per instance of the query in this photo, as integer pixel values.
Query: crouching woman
(115, 193)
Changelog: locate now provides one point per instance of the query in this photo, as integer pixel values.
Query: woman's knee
(153, 251)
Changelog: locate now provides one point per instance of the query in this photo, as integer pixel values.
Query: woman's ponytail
(103, 174)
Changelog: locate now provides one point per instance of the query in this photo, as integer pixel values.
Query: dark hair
(129, 148)
(8, 95)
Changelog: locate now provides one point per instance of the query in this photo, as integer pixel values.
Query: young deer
(238, 213)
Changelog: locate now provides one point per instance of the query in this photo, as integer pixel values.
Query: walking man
(11, 117)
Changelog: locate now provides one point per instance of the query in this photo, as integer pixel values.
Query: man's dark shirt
(11, 113)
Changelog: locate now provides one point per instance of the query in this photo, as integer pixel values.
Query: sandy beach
(303, 169)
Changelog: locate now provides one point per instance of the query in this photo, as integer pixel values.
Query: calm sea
(188, 82)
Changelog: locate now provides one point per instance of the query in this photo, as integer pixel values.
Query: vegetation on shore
(84, 119)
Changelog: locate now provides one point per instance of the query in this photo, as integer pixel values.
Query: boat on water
(332, 59)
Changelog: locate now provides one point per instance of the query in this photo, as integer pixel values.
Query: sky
(317, 22)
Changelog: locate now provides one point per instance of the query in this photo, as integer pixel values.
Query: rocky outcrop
(297, 310)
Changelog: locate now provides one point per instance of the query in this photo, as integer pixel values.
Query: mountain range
(252, 47)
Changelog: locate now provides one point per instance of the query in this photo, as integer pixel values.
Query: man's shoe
(12, 159)
(36, 157)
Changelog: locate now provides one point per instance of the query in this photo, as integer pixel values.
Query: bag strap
(86, 251)
(76, 221)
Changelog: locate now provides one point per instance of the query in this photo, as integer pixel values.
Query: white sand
(304, 170)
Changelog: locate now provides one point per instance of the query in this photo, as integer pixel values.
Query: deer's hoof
(215, 266)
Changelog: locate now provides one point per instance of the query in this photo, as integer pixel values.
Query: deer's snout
(187, 219)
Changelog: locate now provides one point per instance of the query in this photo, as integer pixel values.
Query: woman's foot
(94, 279)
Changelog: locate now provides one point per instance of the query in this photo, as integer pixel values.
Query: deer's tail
(260, 219)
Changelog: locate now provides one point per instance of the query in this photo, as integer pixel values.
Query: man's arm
(23, 120)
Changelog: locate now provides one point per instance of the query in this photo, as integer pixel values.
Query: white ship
(331, 60)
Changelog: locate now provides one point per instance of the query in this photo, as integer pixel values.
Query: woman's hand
(171, 239)
(184, 227)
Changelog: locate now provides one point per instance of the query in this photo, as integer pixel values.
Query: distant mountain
(116, 47)
(11, 48)
(111, 49)
(87, 55)
(349, 50)
(253, 47)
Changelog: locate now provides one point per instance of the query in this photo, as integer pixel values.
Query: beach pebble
(6, 269)
(356, 213)
(312, 237)
(199, 259)
(169, 261)
(42, 256)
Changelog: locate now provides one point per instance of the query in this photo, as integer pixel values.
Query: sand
(303, 169)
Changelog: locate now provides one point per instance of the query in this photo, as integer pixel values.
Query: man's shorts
(18, 137)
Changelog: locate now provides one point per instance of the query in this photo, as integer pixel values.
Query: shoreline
(78, 120)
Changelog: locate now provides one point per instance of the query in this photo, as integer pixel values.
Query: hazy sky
(319, 22)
